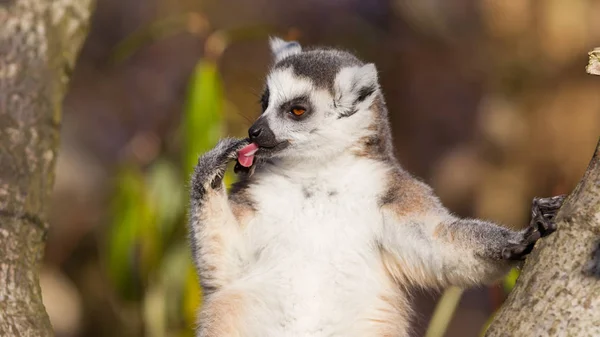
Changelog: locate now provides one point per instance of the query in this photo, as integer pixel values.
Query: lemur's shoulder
(406, 194)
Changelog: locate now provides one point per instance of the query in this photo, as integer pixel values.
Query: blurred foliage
(510, 280)
(202, 119)
(134, 238)
(148, 255)
(448, 303)
(443, 312)
(193, 22)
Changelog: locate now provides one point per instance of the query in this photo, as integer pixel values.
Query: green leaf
(510, 280)
(487, 324)
(204, 125)
(444, 311)
(203, 117)
(134, 243)
(166, 194)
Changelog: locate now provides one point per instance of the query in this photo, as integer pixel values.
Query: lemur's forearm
(474, 250)
(483, 239)
(440, 250)
(214, 232)
(495, 247)
(437, 249)
(215, 241)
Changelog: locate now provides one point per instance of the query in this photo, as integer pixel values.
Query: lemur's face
(314, 102)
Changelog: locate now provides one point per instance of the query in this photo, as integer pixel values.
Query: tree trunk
(558, 292)
(39, 41)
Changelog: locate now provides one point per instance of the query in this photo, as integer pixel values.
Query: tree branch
(558, 291)
(39, 40)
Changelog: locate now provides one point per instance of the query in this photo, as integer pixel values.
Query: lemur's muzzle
(261, 134)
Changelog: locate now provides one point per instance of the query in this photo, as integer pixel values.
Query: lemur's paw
(543, 211)
(518, 251)
(211, 166)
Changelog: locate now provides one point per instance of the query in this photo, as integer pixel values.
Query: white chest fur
(312, 254)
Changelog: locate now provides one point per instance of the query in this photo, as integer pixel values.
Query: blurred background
(489, 103)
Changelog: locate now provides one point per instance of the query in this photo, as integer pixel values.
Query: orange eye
(298, 111)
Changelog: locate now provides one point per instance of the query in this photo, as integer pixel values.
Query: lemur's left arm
(215, 232)
(423, 244)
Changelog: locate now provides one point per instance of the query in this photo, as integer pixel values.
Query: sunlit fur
(328, 236)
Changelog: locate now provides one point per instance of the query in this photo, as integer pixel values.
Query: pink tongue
(246, 154)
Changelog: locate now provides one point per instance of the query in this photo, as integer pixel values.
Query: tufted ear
(282, 49)
(355, 85)
(365, 81)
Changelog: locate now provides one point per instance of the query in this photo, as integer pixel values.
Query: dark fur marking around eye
(302, 101)
(264, 100)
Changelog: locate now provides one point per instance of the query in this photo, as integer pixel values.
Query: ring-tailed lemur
(326, 233)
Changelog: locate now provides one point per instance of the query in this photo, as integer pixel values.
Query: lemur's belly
(319, 274)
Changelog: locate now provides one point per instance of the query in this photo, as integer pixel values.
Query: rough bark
(558, 291)
(39, 41)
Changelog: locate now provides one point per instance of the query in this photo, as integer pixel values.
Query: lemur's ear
(365, 81)
(355, 85)
(282, 49)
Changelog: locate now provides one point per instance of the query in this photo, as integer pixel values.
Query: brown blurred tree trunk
(39, 41)
(558, 292)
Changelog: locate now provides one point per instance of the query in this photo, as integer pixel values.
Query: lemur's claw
(543, 211)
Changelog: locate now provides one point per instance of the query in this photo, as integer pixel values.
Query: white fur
(314, 260)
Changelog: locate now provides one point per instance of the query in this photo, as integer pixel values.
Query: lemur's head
(316, 103)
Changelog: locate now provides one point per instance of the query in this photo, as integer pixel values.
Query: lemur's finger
(549, 205)
(235, 147)
(227, 149)
(546, 226)
(216, 181)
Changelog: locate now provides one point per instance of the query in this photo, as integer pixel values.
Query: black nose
(254, 132)
(261, 134)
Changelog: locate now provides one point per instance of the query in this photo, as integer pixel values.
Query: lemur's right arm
(214, 230)
(423, 244)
